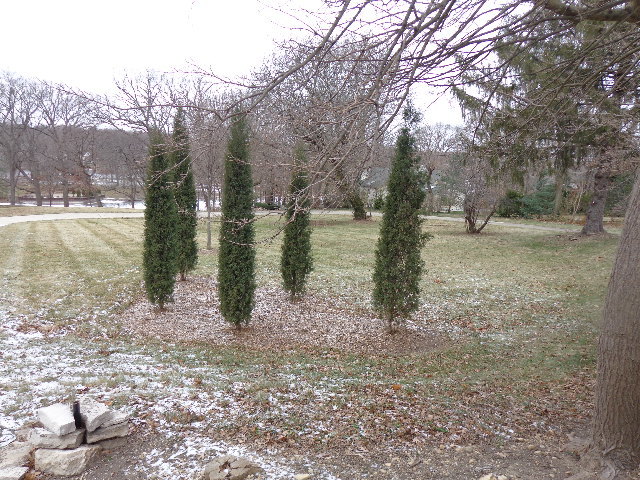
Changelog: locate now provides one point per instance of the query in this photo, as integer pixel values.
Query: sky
(88, 43)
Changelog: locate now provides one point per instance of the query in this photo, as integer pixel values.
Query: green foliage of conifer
(236, 256)
(398, 264)
(160, 219)
(186, 199)
(296, 262)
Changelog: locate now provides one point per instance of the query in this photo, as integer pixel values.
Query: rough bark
(430, 198)
(13, 181)
(97, 197)
(595, 211)
(557, 201)
(38, 191)
(616, 430)
(65, 192)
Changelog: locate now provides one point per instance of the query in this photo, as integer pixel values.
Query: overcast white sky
(88, 43)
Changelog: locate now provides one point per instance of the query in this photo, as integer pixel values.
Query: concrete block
(104, 433)
(116, 417)
(42, 438)
(94, 413)
(57, 418)
(65, 463)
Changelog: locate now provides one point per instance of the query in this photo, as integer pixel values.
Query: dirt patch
(525, 459)
(315, 322)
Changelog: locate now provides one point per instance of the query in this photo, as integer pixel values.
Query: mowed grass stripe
(131, 229)
(113, 241)
(71, 270)
(40, 280)
(14, 239)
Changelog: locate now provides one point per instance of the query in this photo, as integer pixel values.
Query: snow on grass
(38, 370)
(318, 374)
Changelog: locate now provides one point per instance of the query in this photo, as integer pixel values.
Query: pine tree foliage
(236, 256)
(398, 264)
(296, 262)
(186, 199)
(160, 219)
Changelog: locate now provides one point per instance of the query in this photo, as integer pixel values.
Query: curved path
(4, 221)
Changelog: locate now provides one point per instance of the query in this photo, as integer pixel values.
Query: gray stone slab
(57, 418)
(94, 413)
(15, 454)
(43, 438)
(13, 473)
(65, 463)
(116, 417)
(104, 433)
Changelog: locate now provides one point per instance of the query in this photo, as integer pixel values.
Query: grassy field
(515, 315)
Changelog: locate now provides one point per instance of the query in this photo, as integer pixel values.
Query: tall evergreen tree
(398, 263)
(236, 257)
(186, 199)
(160, 219)
(296, 262)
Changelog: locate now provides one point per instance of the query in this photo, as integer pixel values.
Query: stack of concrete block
(66, 444)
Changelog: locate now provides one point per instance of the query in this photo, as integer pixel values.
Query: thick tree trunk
(470, 215)
(557, 201)
(133, 194)
(616, 427)
(65, 192)
(429, 204)
(13, 181)
(96, 197)
(38, 191)
(595, 211)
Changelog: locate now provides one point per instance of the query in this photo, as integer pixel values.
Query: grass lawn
(512, 314)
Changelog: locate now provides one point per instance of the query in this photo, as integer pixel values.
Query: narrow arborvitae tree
(296, 262)
(236, 257)
(186, 198)
(160, 218)
(398, 265)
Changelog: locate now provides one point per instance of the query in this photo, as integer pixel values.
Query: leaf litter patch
(315, 322)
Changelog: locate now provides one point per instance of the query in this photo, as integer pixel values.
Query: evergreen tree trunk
(595, 211)
(236, 256)
(616, 426)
